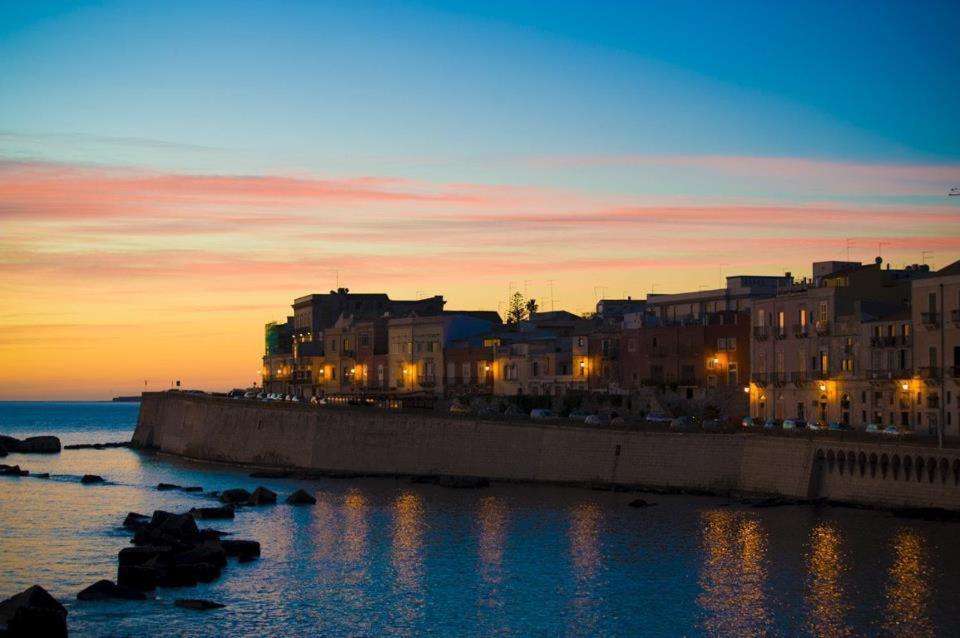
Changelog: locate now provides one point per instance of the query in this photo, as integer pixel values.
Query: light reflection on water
(384, 557)
(733, 574)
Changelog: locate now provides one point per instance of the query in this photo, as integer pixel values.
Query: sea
(386, 557)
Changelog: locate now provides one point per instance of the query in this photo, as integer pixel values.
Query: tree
(531, 307)
(518, 310)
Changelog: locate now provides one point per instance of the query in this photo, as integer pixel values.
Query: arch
(895, 466)
(919, 466)
(931, 468)
(907, 466)
(944, 470)
(884, 464)
(873, 464)
(841, 461)
(956, 471)
(851, 462)
(862, 462)
(820, 456)
(830, 459)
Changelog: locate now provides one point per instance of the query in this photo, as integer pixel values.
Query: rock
(262, 496)
(300, 497)
(39, 445)
(107, 589)
(42, 475)
(206, 513)
(3, 451)
(144, 554)
(210, 534)
(197, 603)
(9, 443)
(135, 520)
(187, 574)
(142, 577)
(89, 479)
(240, 548)
(462, 482)
(211, 552)
(164, 487)
(33, 612)
(13, 470)
(181, 526)
(246, 559)
(193, 488)
(236, 496)
(271, 475)
(96, 446)
(639, 502)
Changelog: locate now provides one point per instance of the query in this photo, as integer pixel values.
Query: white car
(542, 413)
(872, 428)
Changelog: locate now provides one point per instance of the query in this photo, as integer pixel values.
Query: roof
(487, 315)
(952, 269)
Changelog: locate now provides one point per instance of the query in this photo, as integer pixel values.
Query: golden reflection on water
(406, 551)
(733, 575)
(584, 532)
(825, 595)
(908, 587)
(492, 521)
(355, 527)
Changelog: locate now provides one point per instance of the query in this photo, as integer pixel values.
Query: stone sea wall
(369, 441)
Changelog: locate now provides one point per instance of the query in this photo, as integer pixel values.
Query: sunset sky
(172, 174)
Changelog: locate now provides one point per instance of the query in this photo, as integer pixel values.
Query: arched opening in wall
(956, 471)
(845, 409)
(895, 466)
(919, 466)
(830, 460)
(907, 466)
(862, 462)
(884, 465)
(822, 409)
(873, 465)
(841, 461)
(944, 470)
(931, 468)
(851, 462)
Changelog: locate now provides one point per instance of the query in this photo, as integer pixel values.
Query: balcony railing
(799, 377)
(883, 342)
(822, 327)
(759, 377)
(427, 380)
(801, 330)
(930, 372)
(778, 377)
(780, 333)
(761, 333)
(930, 319)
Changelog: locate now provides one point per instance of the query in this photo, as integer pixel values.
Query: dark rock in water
(206, 513)
(42, 475)
(182, 526)
(301, 497)
(210, 534)
(210, 551)
(197, 603)
(13, 470)
(187, 574)
(240, 548)
(3, 451)
(235, 496)
(9, 443)
(262, 496)
(107, 589)
(271, 475)
(244, 558)
(193, 488)
(88, 479)
(462, 482)
(639, 502)
(96, 446)
(429, 478)
(32, 613)
(164, 487)
(135, 520)
(773, 501)
(144, 554)
(39, 445)
(142, 577)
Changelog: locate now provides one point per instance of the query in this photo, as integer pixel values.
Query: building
(690, 307)
(809, 343)
(936, 346)
(312, 314)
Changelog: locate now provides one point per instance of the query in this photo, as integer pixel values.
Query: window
(365, 340)
(380, 375)
(803, 318)
(824, 315)
(824, 361)
(465, 372)
(452, 373)
(731, 343)
(711, 380)
(780, 322)
(732, 375)
(535, 369)
(780, 362)
(579, 342)
(721, 343)
(333, 345)
(655, 342)
(761, 318)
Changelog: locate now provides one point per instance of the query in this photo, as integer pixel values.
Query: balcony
(759, 377)
(930, 372)
(427, 380)
(799, 378)
(761, 333)
(801, 331)
(883, 342)
(822, 328)
(930, 319)
(778, 378)
(780, 333)
(933, 402)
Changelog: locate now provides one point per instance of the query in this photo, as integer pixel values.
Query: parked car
(748, 422)
(252, 394)
(712, 424)
(296, 398)
(836, 426)
(459, 408)
(578, 415)
(789, 424)
(811, 425)
(872, 428)
(771, 424)
(658, 417)
(892, 430)
(597, 419)
(683, 424)
(542, 413)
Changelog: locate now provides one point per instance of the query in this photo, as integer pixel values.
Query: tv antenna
(954, 192)
(550, 283)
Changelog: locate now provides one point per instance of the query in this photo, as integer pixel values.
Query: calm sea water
(382, 557)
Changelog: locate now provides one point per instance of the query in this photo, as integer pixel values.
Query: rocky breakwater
(31, 445)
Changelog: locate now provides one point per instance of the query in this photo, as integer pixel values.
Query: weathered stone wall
(384, 442)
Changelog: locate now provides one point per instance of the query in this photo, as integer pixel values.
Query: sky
(173, 174)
